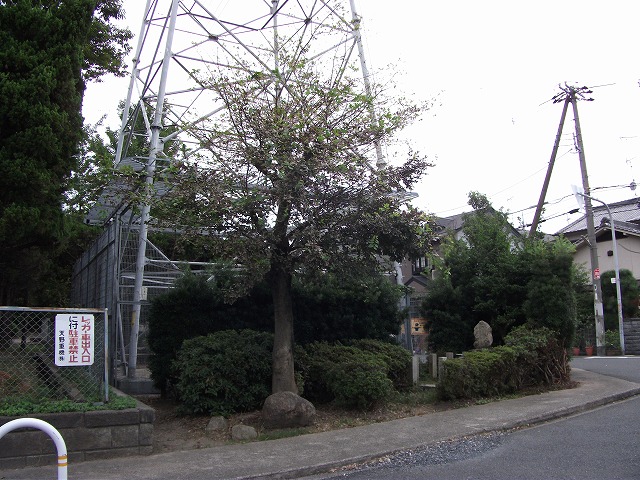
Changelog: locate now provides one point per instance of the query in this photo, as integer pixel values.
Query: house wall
(628, 256)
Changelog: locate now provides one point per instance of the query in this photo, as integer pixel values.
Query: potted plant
(576, 350)
(612, 342)
(588, 348)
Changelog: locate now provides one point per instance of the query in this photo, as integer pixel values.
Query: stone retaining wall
(87, 435)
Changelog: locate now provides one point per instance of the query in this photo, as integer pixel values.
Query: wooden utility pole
(571, 95)
(554, 152)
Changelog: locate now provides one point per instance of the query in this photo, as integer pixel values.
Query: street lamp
(616, 268)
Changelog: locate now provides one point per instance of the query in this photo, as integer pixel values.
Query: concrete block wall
(632, 336)
(87, 435)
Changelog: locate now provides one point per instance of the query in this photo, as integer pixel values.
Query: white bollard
(49, 430)
(415, 364)
(441, 361)
(434, 365)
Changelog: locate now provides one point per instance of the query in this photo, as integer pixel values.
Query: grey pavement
(312, 454)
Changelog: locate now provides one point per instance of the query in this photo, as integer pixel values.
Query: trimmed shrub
(348, 375)
(482, 373)
(542, 357)
(396, 357)
(528, 358)
(359, 383)
(196, 308)
(224, 372)
(332, 309)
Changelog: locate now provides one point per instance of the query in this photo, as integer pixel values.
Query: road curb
(328, 467)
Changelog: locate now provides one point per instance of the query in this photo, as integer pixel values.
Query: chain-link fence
(53, 354)
(105, 277)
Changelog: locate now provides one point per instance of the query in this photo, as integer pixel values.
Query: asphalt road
(626, 368)
(598, 444)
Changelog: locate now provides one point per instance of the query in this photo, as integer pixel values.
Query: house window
(419, 265)
(414, 306)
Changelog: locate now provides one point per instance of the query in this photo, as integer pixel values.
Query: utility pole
(574, 94)
(554, 152)
(571, 95)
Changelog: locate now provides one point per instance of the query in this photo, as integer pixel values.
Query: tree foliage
(287, 186)
(43, 65)
(107, 44)
(338, 309)
(494, 274)
(550, 288)
(629, 292)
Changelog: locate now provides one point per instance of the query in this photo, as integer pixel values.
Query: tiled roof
(626, 227)
(452, 223)
(625, 211)
(455, 223)
(621, 227)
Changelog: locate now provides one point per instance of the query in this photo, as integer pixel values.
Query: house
(626, 215)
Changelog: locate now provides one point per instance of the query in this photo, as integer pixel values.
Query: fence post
(434, 365)
(107, 364)
(49, 430)
(415, 367)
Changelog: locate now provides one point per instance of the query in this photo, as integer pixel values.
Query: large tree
(47, 51)
(287, 187)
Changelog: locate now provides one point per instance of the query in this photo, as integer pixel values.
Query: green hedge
(224, 372)
(360, 375)
(230, 371)
(528, 358)
(196, 307)
(396, 358)
(329, 310)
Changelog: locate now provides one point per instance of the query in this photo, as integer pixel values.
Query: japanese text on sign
(74, 340)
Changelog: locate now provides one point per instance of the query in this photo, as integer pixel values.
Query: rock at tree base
(243, 432)
(217, 424)
(287, 410)
(483, 335)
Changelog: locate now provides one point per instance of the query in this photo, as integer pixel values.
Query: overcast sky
(491, 67)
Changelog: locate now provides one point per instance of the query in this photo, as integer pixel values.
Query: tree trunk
(283, 379)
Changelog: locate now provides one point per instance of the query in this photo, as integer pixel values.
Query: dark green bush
(551, 298)
(528, 358)
(630, 292)
(482, 373)
(337, 309)
(224, 372)
(349, 375)
(196, 307)
(359, 383)
(396, 357)
(325, 310)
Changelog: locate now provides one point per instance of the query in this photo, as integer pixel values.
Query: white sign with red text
(74, 340)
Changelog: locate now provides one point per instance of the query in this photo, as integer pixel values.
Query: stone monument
(483, 335)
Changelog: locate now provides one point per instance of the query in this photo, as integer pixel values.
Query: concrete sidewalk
(316, 453)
